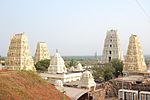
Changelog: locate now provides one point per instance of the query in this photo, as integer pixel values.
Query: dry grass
(27, 85)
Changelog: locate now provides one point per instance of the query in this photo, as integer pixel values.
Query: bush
(42, 65)
(118, 66)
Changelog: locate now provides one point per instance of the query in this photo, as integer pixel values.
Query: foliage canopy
(108, 70)
(42, 65)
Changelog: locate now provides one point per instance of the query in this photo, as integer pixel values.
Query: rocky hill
(26, 85)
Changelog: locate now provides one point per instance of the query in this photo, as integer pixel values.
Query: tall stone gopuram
(134, 61)
(18, 56)
(41, 52)
(112, 47)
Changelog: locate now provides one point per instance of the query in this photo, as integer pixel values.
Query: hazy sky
(75, 27)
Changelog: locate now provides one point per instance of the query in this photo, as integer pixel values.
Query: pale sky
(75, 27)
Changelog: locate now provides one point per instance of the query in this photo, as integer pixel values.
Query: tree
(118, 66)
(104, 73)
(98, 73)
(42, 65)
(108, 72)
(71, 63)
(147, 61)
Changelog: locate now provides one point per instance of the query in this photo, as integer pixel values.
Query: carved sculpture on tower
(112, 47)
(57, 64)
(41, 52)
(134, 61)
(18, 56)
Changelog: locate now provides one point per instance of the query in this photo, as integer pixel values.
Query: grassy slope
(25, 85)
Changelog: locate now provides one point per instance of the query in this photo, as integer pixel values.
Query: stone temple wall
(98, 94)
(111, 87)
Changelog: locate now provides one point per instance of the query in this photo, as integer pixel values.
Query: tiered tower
(112, 48)
(134, 61)
(79, 67)
(41, 52)
(18, 56)
(57, 64)
(87, 80)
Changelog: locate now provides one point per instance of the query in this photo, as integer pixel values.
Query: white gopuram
(87, 80)
(18, 56)
(134, 61)
(57, 64)
(112, 47)
(41, 52)
(79, 67)
(72, 69)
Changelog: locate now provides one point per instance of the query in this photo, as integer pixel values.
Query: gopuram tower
(57, 64)
(18, 56)
(41, 52)
(134, 61)
(112, 48)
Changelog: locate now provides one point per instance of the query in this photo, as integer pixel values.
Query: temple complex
(18, 56)
(76, 82)
(112, 48)
(57, 64)
(41, 52)
(134, 61)
(58, 71)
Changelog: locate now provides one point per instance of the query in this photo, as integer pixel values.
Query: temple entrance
(109, 59)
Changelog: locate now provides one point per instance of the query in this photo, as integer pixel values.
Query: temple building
(57, 64)
(112, 47)
(75, 82)
(87, 80)
(72, 69)
(58, 71)
(18, 56)
(134, 61)
(41, 52)
(79, 67)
